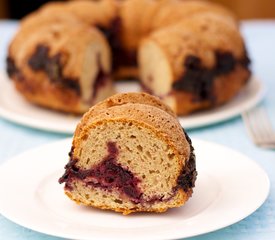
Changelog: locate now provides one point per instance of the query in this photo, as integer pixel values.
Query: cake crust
(121, 99)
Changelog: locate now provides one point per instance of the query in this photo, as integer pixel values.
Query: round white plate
(16, 109)
(32, 197)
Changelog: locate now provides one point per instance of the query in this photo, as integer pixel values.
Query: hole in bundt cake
(123, 57)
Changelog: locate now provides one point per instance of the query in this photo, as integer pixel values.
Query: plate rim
(197, 141)
(33, 123)
(212, 118)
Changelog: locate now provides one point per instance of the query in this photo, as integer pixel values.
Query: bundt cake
(189, 53)
(130, 154)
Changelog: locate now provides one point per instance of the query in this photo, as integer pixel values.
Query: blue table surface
(260, 39)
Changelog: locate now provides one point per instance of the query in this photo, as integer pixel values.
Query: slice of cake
(130, 155)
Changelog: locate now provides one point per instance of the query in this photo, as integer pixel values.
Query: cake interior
(125, 168)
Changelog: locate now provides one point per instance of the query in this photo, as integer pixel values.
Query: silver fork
(259, 127)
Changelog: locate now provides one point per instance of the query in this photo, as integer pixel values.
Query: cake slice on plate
(130, 154)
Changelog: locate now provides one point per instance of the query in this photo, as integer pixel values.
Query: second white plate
(229, 187)
(15, 108)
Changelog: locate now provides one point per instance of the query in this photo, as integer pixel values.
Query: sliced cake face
(188, 77)
(53, 68)
(127, 159)
(122, 158)
(95, 81)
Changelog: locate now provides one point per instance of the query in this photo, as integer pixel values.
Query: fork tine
(249, 125)
(262, 125)
(259, 127)
(269, 134)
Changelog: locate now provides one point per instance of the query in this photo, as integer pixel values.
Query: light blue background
(260, 38)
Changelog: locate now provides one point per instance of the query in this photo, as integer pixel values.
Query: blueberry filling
(11, 67)
(121, 56)
(40, 60)
(199, 80)
(108, 174)
(52, 66)
(188, 176)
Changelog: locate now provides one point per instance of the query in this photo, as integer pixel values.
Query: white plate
(14, 108)
(229, 187)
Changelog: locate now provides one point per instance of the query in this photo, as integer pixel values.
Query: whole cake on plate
(189, 53)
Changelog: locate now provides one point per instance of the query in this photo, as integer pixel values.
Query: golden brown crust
(226, 87)
(160, 14)
(209, 31)
(159, 121)
(48, 95)
(97, 13)
(130, 13)
(171, 12)
(121, 99)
